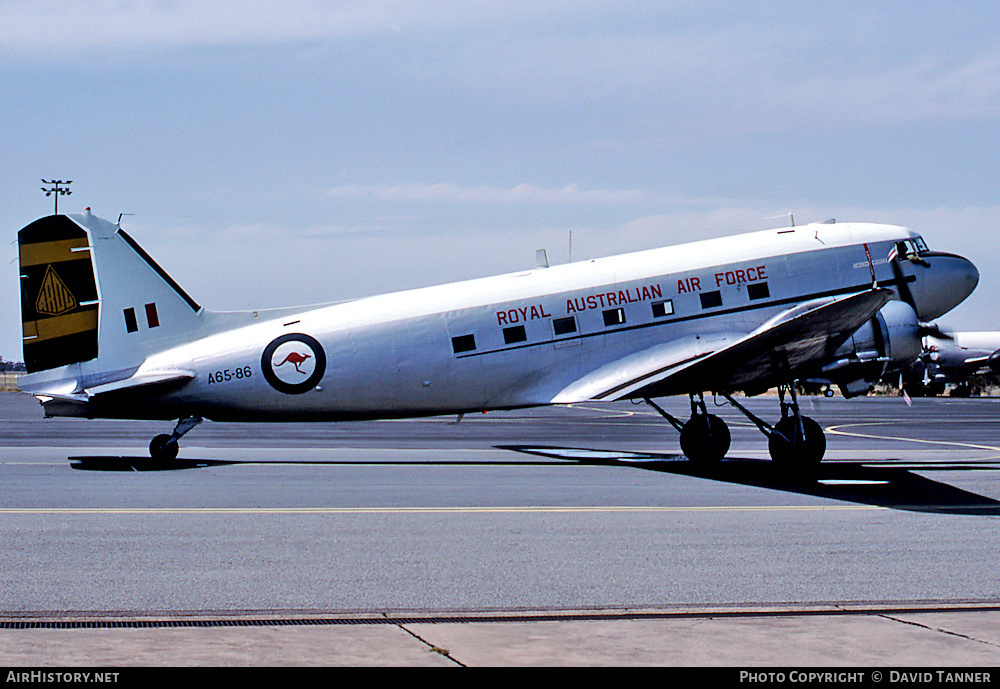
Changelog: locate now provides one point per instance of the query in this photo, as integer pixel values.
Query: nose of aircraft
(948, 280)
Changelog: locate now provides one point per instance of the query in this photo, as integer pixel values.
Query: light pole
(57, 190)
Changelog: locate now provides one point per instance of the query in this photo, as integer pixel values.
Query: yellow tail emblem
(54, 297)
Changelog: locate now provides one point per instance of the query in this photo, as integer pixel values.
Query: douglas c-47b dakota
(108, 334)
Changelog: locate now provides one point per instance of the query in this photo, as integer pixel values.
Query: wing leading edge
(795, 338)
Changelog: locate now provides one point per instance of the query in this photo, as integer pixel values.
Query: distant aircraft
(952, 359)
(107, 333)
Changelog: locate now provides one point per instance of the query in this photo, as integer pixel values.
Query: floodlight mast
(59, 188)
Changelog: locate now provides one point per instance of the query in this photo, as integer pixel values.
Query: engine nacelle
(889, 341)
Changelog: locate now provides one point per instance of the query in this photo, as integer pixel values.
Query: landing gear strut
(705, 438)
(163, 448)
(796, 441)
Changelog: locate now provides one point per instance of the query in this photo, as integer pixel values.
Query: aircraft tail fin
(90, 292)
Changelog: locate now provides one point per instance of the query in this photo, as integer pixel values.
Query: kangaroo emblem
(295, 359)
(295, 349)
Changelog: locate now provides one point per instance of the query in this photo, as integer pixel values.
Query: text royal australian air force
(750, 263)
(599, 300)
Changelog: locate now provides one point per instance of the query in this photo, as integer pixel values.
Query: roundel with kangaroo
(293, 363)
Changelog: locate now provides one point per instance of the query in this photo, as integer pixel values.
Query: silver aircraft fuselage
(515, 340)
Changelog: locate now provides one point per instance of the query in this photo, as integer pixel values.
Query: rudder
(59, 301)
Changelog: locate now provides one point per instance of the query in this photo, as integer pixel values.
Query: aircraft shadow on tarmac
(868, 483)
(896, 487)
(120, 463)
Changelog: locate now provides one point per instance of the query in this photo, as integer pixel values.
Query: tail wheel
(791, 448)
(705, 439)
(162, 448)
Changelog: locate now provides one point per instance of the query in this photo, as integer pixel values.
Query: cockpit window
(911, 248)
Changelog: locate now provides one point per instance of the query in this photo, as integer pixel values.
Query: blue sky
(278, 153)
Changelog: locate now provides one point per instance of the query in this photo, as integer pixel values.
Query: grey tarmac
(568, 536)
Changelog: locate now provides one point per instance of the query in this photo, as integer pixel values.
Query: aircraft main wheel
(705, 439)
(801, 451)
(161, 449)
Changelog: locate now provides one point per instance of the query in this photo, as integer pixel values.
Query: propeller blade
(904, 289)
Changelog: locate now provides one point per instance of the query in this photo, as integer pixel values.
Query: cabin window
(463, 343)
(663, 308)
(614, 317)
(514, 334)
(564, 326)
(711, 299)
(758, 290)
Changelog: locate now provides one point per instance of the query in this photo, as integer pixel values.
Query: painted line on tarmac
(426, 510)
(837, 430)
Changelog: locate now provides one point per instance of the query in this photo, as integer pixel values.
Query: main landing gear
(794, 442)
(163, 448)
(705, 438)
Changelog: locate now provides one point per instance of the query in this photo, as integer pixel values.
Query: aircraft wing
(802, 335)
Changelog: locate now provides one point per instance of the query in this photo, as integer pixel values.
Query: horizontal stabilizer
(142, 380)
